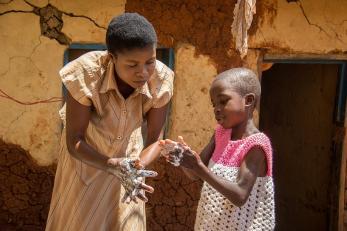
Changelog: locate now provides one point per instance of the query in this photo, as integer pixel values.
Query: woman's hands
(132, 176)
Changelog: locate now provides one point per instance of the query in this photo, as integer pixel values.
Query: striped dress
(85, 198)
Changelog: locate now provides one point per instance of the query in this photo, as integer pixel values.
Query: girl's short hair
(129, 31)
(242, 80)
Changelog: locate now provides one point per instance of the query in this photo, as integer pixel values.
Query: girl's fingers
(181, 140)
(162, 143)
(168, 141)
(171, 158)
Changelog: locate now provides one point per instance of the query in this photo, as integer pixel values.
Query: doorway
(301, 112)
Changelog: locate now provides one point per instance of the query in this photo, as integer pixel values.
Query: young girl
(236, 165)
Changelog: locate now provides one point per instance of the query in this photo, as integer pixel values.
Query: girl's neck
(244, 130)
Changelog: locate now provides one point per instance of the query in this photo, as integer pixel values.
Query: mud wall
(25, 190)
(199, 32)
(34, 35)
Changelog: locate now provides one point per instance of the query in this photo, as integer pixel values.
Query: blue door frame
(342, 85)
(169, 61)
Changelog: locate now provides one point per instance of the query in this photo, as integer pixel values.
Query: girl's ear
(250, 100)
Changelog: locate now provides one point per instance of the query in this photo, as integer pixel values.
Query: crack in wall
(316, 25)
(85, 17)
(69, 14)
(29, 58)
(13, 121)
(15, 11)
(25, 57)
(9, 64)
(51, 21)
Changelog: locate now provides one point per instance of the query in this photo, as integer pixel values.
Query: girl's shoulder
(223, 135)
(232, 152)
(258, 138)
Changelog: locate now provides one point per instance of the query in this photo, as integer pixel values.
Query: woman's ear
(113, 56)
(250, 100)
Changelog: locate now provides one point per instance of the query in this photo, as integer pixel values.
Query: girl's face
(229, 106)
(136, 66)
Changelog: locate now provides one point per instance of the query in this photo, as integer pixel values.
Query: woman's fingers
(125, 197)
(146, 187)
(113, 161)
(136, 163)
(142, 196)
(147, 173)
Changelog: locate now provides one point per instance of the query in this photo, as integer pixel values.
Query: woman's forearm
(149, 154)
(81, 150)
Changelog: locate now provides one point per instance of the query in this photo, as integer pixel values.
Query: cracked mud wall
(281, 27)
(199, 32)
(302, 26)
(174, 202)
(34, 35)
(25, 190)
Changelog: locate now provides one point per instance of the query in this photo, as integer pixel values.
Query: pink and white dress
(215, 212)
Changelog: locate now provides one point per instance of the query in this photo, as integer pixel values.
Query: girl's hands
(131, 175)
(172, 151)
(180, 154)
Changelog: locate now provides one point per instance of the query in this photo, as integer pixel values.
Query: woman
(109, 94)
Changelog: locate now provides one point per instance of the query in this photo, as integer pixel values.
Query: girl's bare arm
(205, 156)
(253, 166)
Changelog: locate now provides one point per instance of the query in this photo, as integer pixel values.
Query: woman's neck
(244, 130)
(124, 89)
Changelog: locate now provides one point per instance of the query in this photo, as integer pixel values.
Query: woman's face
(136, 66)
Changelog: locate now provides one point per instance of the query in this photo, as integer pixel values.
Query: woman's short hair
(128, 31)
